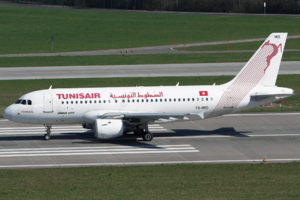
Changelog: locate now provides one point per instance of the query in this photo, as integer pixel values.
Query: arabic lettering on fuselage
(134, 95)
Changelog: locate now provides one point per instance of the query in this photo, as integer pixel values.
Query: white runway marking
(226, 136)
(97, 151)
(60, 129)
(258, 114)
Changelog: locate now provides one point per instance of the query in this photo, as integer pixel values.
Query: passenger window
(147, 100)
(188, 99)
(62, 102)
(198, 99)
(174, 100)
(183, 99)
(170, 100)
(137, 100)
(142, 100)
(85, 101)
(71, 102)
(155, 100)
(166, 100)
(132, 100)
(206, 99)
(123, 101)
(160, 100)
(95, 101)
(108, 101)
(104, 101)
(76, 102)
(29, 102)
(178, 99)
(99, 101)
(81, 102)
(151, 100)
(67, 102)
(116, 101)
(23, 102)
(211, 99)
(128, 100)
(192, 99)
(91, 101)
(18, 101)
(202, 99)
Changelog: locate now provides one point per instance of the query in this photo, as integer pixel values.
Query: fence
(223, 6)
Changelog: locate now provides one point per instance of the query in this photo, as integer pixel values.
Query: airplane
(113, 111)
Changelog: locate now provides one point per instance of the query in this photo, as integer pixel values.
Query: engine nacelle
(108, 128)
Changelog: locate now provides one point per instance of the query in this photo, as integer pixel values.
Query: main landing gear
(48, 130)
(146, 135)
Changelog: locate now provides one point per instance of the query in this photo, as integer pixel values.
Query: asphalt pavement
(238, 138)
(109, 71)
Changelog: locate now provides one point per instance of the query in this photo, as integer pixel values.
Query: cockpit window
(29, 102)
(23, 102)
(18, 101)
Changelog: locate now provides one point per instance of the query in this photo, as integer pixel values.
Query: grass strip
(11, 90)
(207, 181)
(28, 30)
(290, 44)
(133, 59)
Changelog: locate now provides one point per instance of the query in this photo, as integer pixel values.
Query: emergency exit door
(48, 104)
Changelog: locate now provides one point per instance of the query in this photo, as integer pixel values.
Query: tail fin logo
(274, 53)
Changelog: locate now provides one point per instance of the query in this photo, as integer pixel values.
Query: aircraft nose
(7, 113)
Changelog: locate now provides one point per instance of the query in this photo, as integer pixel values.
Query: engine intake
(108, 128)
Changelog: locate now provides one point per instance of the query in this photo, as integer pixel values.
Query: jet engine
(108, 128)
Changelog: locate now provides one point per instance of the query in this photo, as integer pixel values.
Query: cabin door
(48, 103)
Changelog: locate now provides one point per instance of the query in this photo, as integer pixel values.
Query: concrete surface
(239, 138)
(158, 70)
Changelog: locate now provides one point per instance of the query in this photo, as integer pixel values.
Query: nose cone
(7, 113)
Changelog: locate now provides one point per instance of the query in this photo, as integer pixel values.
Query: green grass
(207, 181)
(290, 44)
(133, 59)
(11, 90)
(28, 30)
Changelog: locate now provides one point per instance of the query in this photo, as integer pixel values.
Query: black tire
(147, 136)
(47, 137)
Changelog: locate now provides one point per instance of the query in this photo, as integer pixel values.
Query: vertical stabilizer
(261, 70)
(264, 65)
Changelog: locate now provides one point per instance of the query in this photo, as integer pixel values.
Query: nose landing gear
(48, 130)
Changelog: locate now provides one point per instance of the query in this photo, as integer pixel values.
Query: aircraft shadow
(128, 139)
(226, 131)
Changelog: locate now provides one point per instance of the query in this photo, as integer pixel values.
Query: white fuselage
(68, 106)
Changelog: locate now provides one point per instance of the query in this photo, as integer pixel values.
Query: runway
(237, 138)
(158, 70)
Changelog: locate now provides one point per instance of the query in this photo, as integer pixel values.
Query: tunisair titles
(97, 95)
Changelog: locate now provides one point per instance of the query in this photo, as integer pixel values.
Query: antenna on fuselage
(50, 87)
(177, 84)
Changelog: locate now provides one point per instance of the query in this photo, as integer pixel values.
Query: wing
(135, 117)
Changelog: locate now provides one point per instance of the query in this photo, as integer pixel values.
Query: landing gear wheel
(47, 137)
(147, 136)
